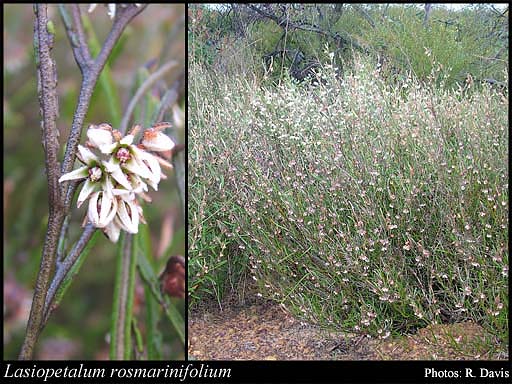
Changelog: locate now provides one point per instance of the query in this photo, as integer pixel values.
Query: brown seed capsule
(172, 280)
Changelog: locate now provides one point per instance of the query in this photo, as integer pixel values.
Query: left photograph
(94, 182)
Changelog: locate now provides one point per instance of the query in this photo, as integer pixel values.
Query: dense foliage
(362, 203)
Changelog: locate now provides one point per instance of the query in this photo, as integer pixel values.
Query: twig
(84, 48)
(59, 203)
(287, 24)
(63, 269)
(77, 37)
(142, 90)
(48, 101)
(90, 77)
(168, 100)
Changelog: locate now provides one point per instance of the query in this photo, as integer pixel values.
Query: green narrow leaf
(140, 111)
(145, 240)
(124, 291)
(154, 336)
(138, 336)
(130, 296)
(75, 269)
(152, 103)
(115, 301)
(123, 298)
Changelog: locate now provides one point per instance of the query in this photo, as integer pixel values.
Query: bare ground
(264, 331)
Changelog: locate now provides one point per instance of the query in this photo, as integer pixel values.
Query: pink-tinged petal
(112, 230)
(108, 186)
(138, 185)
(85, 155)
(92, 211)
(108, 210)
(164, 163)
(117, 173)
(128, 215)
(128, 139)
(153, 185)
(144, 196)
(135, 129)
(141, 215)
(161, 126)
(111, 10)
(157, 141)
(100, 137)
(138, 168)
(152, 163)
(107, 149)
(148, 161)
(120, 177)
(80, 173)
(88, 188)
(178, 116)
(129, 197)
(124, 194)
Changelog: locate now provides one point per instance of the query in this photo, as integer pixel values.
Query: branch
(169, 99)
(47, 76)
(428, 9)
(63, 269)
(59, 203)
(142, 91)
(76, 37)
(84, 48)
(288, 24)
(90, 78)
(359, 8)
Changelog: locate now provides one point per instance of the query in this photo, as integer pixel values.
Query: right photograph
(348, 181)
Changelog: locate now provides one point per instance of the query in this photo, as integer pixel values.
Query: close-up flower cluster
(117, 172)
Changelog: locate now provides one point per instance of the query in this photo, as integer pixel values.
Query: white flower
(115, 170)
(101, 137)
(102, 209)
(146, 165)
(154, 140)
(117, 174)
(92, 172)
(128, 214)
(112, 230)
(134, 160)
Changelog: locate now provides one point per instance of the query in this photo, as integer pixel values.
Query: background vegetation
(79, 328)
(372, 199)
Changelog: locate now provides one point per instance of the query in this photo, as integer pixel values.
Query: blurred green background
(79, 328)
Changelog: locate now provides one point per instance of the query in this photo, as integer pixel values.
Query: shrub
(357, 205)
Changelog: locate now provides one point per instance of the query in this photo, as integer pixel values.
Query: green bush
(461, 41)
(355, 205)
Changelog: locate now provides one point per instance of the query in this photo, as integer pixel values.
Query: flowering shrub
(118, 174)
(372, 208)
